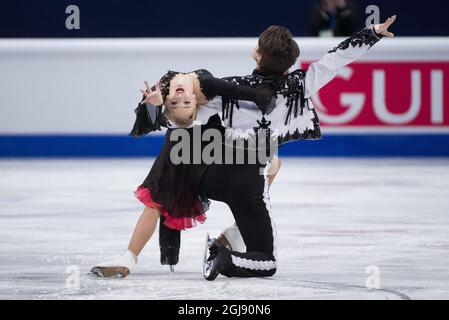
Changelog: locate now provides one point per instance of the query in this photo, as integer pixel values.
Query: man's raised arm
(351, 49)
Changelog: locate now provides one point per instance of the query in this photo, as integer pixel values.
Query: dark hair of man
(278, 50)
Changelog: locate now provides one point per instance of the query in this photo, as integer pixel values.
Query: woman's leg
(169, 243)
(144, 229)
(121, 266)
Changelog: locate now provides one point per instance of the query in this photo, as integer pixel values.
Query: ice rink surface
(336, 219)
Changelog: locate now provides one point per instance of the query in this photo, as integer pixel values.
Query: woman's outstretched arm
(149, 115)
(261, 95)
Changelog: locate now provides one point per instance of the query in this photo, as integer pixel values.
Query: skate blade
(208, 275)
(208, 265)
(109, 272)
(205, 256)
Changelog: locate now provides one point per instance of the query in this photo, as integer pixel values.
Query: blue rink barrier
(348, 145)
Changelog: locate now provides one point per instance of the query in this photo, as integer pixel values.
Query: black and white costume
(242, 186)
(294, 117)
(173, 188)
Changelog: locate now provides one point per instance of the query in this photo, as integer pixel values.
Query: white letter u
(380, 107)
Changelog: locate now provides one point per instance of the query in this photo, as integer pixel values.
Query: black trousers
(244, 188)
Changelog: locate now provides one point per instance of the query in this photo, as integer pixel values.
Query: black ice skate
(170, 256)
(216, 256)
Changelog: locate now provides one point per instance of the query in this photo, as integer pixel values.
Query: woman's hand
(153, 97)
(383, 27)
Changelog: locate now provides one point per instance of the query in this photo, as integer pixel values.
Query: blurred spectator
(336, 18)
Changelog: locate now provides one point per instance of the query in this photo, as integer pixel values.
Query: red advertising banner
(386, 94)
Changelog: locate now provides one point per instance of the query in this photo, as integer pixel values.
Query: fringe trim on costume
(228, 109)
(143, 194)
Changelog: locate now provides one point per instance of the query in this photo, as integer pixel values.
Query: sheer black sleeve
(211, 87)
(262, 95)
(148, 118)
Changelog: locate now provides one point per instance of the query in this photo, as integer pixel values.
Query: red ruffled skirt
(174, 190)
(179, 223)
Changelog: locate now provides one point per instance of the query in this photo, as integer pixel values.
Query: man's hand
(153, 97)
(383, 27)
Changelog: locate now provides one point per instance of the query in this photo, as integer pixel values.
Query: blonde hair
(181, 122)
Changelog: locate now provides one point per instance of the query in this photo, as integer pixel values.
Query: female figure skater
(241, 186)
(171, 190)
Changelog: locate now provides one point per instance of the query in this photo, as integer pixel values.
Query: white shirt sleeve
(324, 70)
